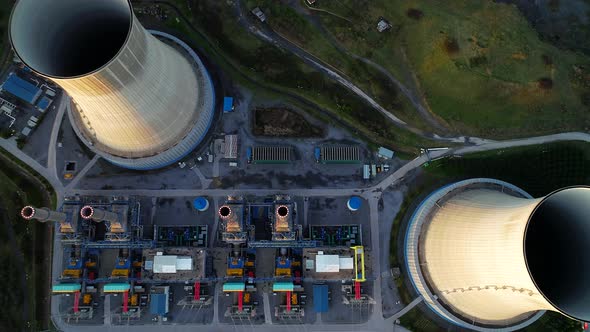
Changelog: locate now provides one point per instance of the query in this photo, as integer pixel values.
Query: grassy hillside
(480, 64)
(269, 70)
(292, 25)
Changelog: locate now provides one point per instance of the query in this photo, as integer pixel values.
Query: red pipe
(197, 291)
(125, 301)
(76, 300)
(240, 301)
(357, 290)
(288, 301)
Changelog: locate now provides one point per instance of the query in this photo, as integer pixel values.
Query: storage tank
(139, 101)
(487, 256)
(354, 203)
(201, 204)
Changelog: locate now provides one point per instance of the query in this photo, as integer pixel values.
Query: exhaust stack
(42, 214)
(225, 212)
(98, 215)
(281, 219)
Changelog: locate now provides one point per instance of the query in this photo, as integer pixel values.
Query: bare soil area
(279, 122)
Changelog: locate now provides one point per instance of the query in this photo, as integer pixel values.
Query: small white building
(332, 263)
(171, 263)
(383, 25)
(327, 263)
(385, 153)
(258, 13)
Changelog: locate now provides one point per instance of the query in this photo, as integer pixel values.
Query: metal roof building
(271, 154)
(320, 298)
(385, 153)
(228, 104)
(66, 288)
(283, 287)
(44, 103)
(171, 263)
(116, 287)
(234, 287)
(159, 304)
(21, 89)
(327, 263)
(340, 154)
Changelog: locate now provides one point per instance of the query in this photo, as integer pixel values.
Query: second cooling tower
(487, 256)
(139, 101)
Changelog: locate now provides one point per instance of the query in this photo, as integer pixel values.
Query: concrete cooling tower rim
(552, 250)
(99, 35)
(417, 278)
(174, 153)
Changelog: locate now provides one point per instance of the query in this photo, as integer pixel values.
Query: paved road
(74, 182)
(10, 146)
(51, 151)
(409, 307)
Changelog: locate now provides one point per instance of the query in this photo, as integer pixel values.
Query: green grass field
(487, 82)
(23, 255)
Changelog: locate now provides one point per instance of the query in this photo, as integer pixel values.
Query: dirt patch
(545, 83)
(451, 46)
(415, 13)
(279, 122)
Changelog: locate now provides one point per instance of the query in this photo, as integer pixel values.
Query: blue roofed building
(43, 104)
(320, 298)
(21, 89)
(159, 300)
(228, 104)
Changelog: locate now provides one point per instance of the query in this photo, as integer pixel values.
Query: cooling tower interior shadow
(69, 38)
(557, 244)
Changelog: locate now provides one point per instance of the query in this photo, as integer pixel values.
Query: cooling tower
(139, 101)
(487, 256)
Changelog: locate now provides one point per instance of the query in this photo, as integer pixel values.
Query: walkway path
(267, 312)
(409, 307)
(51, 151)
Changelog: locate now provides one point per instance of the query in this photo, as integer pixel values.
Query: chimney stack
(42, 214)
(88, 212)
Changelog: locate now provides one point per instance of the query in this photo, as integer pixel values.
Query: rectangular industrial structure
(338, 154)
(21, 89)
(270, 154)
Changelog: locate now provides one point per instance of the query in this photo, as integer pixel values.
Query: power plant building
(486, 256)
(140, 99)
